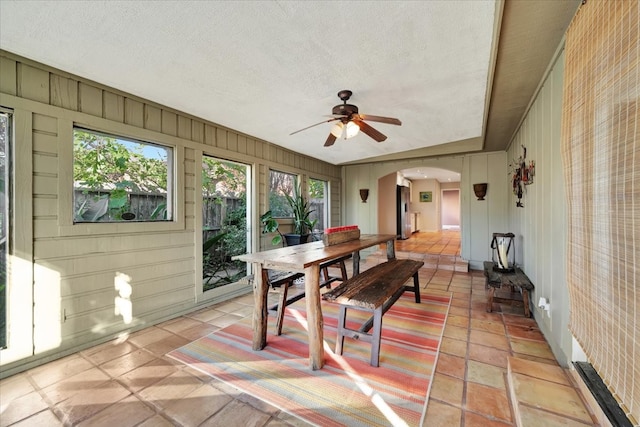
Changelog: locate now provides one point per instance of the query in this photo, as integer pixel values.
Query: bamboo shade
(601, 155)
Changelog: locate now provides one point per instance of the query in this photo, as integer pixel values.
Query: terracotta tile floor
(130, 382)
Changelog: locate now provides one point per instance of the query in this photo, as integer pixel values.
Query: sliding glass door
(5, 185)
(224, 222)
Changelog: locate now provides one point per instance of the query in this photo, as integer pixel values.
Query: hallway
(130, 382)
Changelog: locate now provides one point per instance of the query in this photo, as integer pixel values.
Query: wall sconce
(480, 190)
(364, 194)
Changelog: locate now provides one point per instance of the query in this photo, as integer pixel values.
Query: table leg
(314, 316)
(391, 249)
(260, 290)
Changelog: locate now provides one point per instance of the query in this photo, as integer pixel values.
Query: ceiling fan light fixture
(352, 130)
(336, 130)
(348, 122)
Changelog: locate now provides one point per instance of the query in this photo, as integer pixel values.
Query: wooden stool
(519, 280)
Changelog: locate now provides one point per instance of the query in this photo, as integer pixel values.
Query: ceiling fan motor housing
(345, 110)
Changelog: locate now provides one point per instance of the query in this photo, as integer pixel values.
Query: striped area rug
(347, 390)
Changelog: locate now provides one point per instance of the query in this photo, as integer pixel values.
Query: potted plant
(270, 225)
(302, 224)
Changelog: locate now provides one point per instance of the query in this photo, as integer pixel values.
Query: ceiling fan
(350, 122)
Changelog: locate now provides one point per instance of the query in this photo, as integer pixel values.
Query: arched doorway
(435, 197)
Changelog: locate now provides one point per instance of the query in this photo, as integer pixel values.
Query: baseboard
(603, 405)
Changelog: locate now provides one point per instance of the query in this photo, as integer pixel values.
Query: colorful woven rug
(347, 390)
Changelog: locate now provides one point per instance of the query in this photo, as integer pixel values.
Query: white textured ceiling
(268, 68)
(459, 74)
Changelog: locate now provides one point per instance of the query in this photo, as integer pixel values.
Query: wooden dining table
(305, 258)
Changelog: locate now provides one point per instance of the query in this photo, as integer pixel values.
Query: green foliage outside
(111, 169)
(225, 180)
(217, 267)
(316, 189)
(280, 186)
(283, 185)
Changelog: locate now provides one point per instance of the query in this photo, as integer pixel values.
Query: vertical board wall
(72, 268)
(541, 225)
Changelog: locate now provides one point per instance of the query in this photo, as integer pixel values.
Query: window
(280, 183)
(224, 221)
(119, 179)
(5, 201)
(318, 198)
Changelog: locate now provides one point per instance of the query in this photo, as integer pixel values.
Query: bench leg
(284, 290)
(342, 320)
(375, 337)
(490, 299)
(356, 263)
(416, 287)
(525, 301)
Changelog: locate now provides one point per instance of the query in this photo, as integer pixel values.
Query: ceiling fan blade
(368, 130)
(330, 140)
(387, 120)
(309, 127)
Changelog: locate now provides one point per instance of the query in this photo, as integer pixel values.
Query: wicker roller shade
(601, 155)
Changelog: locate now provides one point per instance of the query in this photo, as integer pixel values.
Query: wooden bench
(282, 280)
(516, 279)
(374, 290)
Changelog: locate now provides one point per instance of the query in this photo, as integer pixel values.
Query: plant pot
(295, 239)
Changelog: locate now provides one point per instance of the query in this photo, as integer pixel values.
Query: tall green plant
(302, 224)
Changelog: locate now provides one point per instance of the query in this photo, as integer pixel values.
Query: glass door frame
(20, 267)
(242, 286)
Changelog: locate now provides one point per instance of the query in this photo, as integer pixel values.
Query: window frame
(326, 200)
(269, 207)
(66, 226)
(169, 196)
(19, 299)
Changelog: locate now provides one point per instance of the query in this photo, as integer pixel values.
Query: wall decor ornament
(364, 194)
(522, 175)
(426, 196)
(480, 190)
